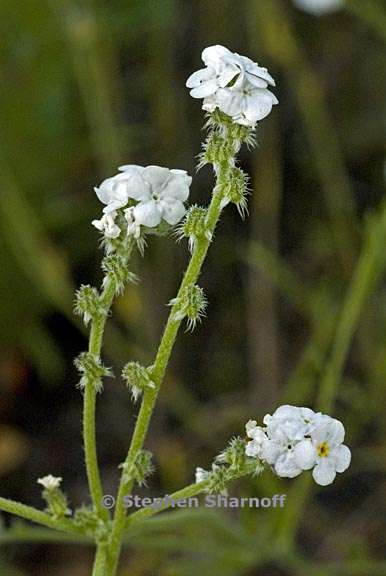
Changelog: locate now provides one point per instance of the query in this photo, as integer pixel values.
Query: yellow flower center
(323, 449)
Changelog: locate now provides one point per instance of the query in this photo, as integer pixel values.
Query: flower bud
(92, 371)
(201, 475)
(55, 498)
(236, 190)
(115, 268)
(234, 454)
(88, 303)
(137, 379)
(140, 470)
(215, 150)
(194, 226)
(218, 479)
(190, 304)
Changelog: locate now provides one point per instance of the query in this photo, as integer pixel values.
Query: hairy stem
(158, 372)
(89, 405)
(164, 351)
(99, 568)
(90, 392)
(30, 513)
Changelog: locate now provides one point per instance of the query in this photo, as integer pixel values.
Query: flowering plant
(140, 201)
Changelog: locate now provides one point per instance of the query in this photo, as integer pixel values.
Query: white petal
(254, 69)
(179, 172)
(156, 176)
(137, 188)
(258, 105)
(213, 54)
(112, 207)
(227, 75)
(104, 191)
(286, 411)
(336, 433)
(200, 76)
(131, 168)
(210, 104)
(250, 426)
(324, 472)
(286, 466)
(342, 458)
(230, 102)
(305, 454)
(257, 82)
(252, 449)
(147, 214)
(172, 211)
(307, 413)
(271, 451)
(205, 89)
(98, 224)
(176, 187)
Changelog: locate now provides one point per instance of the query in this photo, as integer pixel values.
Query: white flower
(285, 429)
(294, 420)
(319, 7)
(326, 450)
(296, 439)
(160, 193)
(50, 482)
(234, 84)
(114, 192)
(107, 225)
(255, 448)
(201, 475)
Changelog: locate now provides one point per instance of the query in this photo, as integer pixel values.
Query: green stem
(19, 533)
(99, 568)
(150, 396)
(187, 492)
(89, 405)
(165, 348)
(34, 515)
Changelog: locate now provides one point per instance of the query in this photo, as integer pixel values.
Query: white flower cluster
(234, 84)
(319, 7)
(294, 439)
(154, 193)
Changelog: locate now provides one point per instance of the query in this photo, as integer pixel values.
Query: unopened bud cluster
(194, 226)
(88, 303)
(236, 190)
(139, 470)
(190, 304)
(224, 140)
(229, 465)
(137, 379)
(115, 268)
(92, 371)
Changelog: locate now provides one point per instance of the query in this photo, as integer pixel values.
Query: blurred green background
(297, 293)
